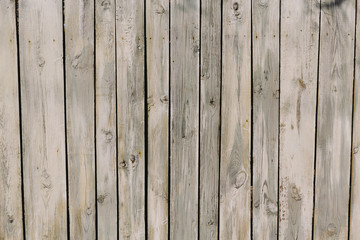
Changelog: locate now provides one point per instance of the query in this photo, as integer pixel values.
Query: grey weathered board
(105, 100)
(11, 224)
(79, 68)
(157, 41)
(265, 123)
(181, 119)
(334, 120)
(299, 40)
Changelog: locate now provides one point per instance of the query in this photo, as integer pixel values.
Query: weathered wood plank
(42, 104)
(106, 119)
(11, 222)
(235, 174)
(265, 117)
(184, 104)
(131, 127)
(210, 72)
(79, 49)
(157, 27)
(355, 181)
(299, 59)
(334, 119)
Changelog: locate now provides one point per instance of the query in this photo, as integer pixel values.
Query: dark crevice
(169, 126)
(116, 129)
(316, 121)
(95, 152)
(220, 109)
(251, 128)
(199, 121)
(20, 118)
(65, 124)
(146, 125)
(352, 125)
(278, 176)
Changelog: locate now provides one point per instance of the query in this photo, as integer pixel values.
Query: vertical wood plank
(265, 117)
(131, 127)
(184, 104)
(42, 104)
(79, 49)
(334, 119)
(106, 119)
(157, 27)
(210, 72)
(11, 223)
(355, 181)
(299, 59)
(235, 172)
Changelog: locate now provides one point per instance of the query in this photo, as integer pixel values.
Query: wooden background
(179, 119)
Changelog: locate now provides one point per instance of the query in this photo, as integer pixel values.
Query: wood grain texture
(79, 49)
(334, 120)
(11, 222)
(235, 174)
(299, 60)
(106, 119)
(210, 72)
(43, 123)
(184, 104)
(157, 42)
(265, 117)
(131, 119)
(355, 181)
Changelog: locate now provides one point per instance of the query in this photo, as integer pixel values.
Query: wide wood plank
(43, 122)
(11, 222)
(79, 49)
(106, 120)
(235, 172)
(299, 59)
(157, 42)
(265, 117)
(334, 119)
(355, 181)
(131, 120)
(184, 104)
(210, 72)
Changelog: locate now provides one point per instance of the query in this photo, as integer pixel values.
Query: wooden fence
(179, 119)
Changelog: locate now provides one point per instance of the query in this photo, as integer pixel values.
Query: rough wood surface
(131, 117)
(235, 174)
(299, 59)
(11, 222)
(105, 81)
(355, 181)
(79, 49)
(157, 27)
(210, 74)
(43, 122)
(334, 120)
(184, 104)
(265, 117)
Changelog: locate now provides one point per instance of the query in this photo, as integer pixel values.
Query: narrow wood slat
(355, 181)
(79, 49)
(11, 222)
(299, 59)
(43, 122)
(235, 171)
(265, 117)
(184, 104)
(210, 72)
(131, 120)
(157, 45)
(106, 119)
(334, 120)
